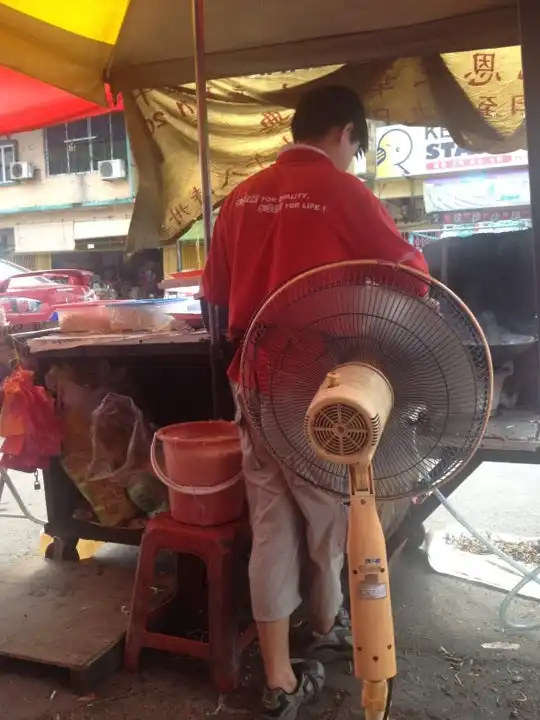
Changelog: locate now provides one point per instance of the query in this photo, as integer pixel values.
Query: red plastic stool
(216, 546)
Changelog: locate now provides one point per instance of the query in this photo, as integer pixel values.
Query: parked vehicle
(29, 298)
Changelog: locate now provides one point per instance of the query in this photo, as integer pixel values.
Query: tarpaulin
(477, 96)
(29, 104)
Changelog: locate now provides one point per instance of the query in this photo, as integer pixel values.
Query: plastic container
(203, 471)
(187, 277)
(181, 304)
(138, 316)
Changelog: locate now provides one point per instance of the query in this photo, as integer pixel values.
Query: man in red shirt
(302, 212)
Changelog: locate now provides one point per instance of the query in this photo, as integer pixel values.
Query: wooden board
(55, 342)
(68, 615)
(513, 430)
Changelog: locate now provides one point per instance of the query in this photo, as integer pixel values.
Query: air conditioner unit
(21, 171)
(112, 169)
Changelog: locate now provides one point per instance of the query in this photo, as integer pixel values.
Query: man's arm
(374, 234)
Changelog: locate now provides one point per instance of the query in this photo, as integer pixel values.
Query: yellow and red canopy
(78, 45)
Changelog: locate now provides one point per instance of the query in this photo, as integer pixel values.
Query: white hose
(528, 576)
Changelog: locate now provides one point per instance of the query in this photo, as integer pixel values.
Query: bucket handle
(189, 489)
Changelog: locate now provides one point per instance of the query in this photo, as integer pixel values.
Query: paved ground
(442, 623)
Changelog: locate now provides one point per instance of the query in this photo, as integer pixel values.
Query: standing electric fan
(373, 382)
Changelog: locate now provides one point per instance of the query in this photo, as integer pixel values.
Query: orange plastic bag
(28, 424)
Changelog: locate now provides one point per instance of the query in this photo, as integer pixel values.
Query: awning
(29, 104)
(140, 44)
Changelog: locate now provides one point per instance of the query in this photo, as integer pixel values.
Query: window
(78, 147)
(7, 156)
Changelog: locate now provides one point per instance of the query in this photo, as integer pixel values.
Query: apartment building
(67, 194)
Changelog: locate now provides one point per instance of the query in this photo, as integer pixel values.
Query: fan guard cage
(433, 353)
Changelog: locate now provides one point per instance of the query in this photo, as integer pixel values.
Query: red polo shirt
(300, 213)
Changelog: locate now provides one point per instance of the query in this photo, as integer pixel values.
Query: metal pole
(444, 261)
(529, 19)
(197, 13)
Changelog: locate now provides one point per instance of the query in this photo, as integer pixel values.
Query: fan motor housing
(347, 416)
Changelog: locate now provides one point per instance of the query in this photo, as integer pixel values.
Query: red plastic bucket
(203, 471)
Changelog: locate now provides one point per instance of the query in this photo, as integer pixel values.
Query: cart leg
(416, 536)
(5, 480)
(63, 549)
(223, 624)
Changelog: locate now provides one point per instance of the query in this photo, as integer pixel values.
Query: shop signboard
(472, 217)
(423, 151)
(476, 192)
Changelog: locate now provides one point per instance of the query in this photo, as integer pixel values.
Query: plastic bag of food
(28, 423)
(84, 318)
(108, 500)
(120, 441)
(79, 391)
(148, 493)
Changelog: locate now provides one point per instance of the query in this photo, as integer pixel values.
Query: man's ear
(347, 130)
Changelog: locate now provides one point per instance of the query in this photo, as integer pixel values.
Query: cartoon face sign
(393, 150)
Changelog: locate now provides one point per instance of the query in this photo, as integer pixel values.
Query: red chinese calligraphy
(142, 95)
(487, 107)
(484, 70)
(178, 213)
(385, 83)
(196, 195)
(273, 120)
(156, 121)
(518, 104)
(227, 177)
(258, 162)
(186, 110)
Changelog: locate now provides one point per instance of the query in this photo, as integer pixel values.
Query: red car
(29, 298)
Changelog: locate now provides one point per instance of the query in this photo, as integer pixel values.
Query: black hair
(324, 108)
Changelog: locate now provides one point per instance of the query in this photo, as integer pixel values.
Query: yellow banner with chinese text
(477, 96)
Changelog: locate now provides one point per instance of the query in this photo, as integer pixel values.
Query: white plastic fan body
(344, 424)
(346, 417)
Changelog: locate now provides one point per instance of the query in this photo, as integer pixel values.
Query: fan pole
(371, 608)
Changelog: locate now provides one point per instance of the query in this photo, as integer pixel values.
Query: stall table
(174, 375)
(512, 436)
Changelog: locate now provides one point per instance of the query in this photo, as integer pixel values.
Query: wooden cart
(174, 380)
